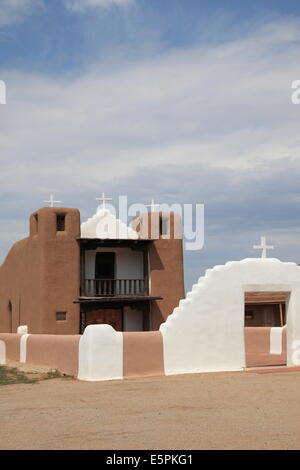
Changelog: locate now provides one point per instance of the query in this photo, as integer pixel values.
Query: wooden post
(281, 315)
(82, 272)
(146, 271)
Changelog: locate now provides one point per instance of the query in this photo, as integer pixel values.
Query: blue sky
(47, 36)
(181, 100)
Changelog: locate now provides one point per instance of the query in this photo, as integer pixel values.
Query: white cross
(52, 201)
(263, 246)
(152, 205)
(103, 199)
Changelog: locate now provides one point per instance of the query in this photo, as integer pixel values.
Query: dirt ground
(210, 411)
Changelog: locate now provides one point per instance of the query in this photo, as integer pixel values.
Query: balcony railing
(113, 287)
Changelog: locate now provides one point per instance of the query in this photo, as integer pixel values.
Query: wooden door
(108, 316)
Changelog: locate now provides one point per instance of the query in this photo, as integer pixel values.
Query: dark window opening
(249, 315)
(61, 316)
(105, 265)
(60, 223)
(265, 315)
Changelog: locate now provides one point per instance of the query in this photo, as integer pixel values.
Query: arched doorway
(265, 328)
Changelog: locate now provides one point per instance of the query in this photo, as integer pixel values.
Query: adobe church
(67, 275)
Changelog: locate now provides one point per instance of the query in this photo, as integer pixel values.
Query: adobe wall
(12, 345)
(55, 351)
(205, 333)
(143, 354)
(258, 345)
(165, 263)
(19, 286)
(40, 276)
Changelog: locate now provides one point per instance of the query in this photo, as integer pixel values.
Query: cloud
(84, 5)
(227, 106)
(212, 124)
(13, 11)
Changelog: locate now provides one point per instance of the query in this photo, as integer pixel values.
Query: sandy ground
(210, 411)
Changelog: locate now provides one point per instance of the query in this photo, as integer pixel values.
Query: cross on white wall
(51, 201)
(152, 205)
(264, 247)
(103, 199)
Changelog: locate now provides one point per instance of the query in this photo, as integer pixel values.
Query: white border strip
(2, 353)
(276, 340)
(23, 347)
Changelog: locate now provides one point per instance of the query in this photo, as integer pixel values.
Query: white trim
(22, 329)
(276, 340)
(2, 353)
(23, 348)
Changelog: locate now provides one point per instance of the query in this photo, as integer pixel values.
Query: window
(61, 316)
(60, 223)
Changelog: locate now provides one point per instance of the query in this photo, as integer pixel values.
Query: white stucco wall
(100, 354)
(129, 263)
(205, 332)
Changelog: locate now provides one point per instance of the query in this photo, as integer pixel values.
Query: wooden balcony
(114, 287)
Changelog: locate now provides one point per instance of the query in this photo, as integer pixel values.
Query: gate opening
(265, 328)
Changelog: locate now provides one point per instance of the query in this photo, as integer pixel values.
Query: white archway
(205, 333)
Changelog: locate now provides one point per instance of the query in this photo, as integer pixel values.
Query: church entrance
(122, 316)
(108, 316)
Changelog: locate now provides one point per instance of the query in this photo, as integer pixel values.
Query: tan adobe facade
(57, 281)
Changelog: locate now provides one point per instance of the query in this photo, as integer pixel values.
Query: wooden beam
(265, 297)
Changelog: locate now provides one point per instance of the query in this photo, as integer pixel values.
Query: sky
(183, 101)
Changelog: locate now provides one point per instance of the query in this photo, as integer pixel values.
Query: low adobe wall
(101, 353)
(106, 354)
(143, 354)
(12, 346)
(56, 351)
(258, 345)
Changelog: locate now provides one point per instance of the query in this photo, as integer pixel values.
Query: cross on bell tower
(152, 205)
(264, 247)
(103, 199)
(51, 201)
